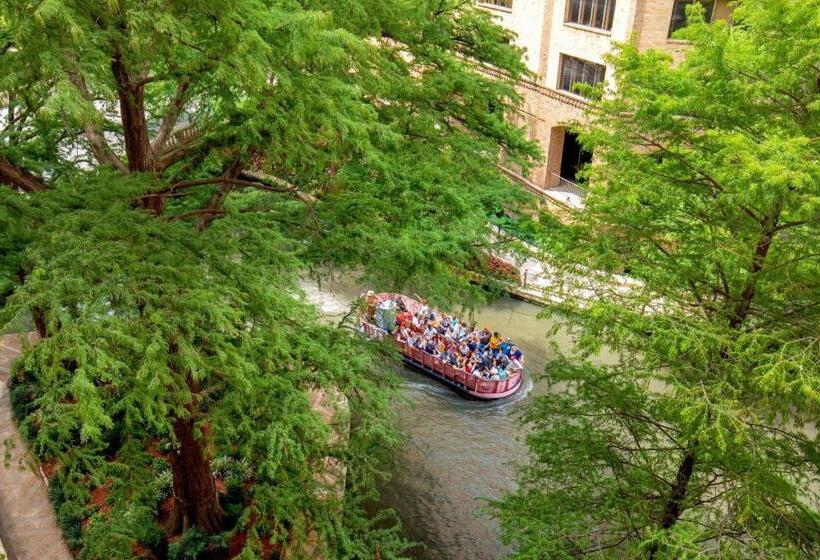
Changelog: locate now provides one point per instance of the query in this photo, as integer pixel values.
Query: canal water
(458, 452)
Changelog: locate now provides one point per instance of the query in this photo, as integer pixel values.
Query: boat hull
(458, 387)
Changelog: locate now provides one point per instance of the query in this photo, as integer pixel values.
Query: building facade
(566, 43)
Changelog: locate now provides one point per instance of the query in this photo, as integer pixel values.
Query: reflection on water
(459, 451)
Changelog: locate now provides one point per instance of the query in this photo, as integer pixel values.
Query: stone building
(566, 42)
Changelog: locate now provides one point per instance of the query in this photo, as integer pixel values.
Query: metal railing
(566, 186)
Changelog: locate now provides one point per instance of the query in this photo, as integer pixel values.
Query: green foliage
(541, 230)
(163, 267)
(190, 545)
(70, 499)
(696, 438)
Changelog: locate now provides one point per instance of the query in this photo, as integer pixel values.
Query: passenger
(404, 318)
(370, 303)
(488, 357)
(452, 358)
(472, 342)
(483, 354)
(469, 363)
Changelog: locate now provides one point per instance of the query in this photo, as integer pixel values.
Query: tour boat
(462, 382)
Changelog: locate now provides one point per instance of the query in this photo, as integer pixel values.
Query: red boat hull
(457, 379)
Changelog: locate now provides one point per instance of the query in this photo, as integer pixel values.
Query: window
(501, 3)
(679, 13)
(592, 13)
(577, 71)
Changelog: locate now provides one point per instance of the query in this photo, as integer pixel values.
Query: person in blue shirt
(486, 359)
(503, 360)
(515, 352)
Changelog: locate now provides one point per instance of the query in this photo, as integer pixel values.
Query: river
(458, 451)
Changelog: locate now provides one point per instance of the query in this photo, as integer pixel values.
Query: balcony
(566, 191)
(563, 191)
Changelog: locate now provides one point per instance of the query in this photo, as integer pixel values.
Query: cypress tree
(174, 168)
(699, 441)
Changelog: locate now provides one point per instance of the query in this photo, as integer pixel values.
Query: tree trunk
(132, 108)
(744, 302)
(39, 317)
(672, 510)
(195, 499)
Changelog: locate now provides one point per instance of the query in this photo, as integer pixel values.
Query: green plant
(189, 545)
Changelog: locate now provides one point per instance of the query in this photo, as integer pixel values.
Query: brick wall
(654, 29)
(526, 20)
(540, 29)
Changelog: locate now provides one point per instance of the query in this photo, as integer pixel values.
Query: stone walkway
(28, 527)
(543, 284)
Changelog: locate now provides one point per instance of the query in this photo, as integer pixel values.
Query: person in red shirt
(404, 318)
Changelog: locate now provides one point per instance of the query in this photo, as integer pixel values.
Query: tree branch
(99, 146)
(220, 180)
(281, 184)
(172, 113)
(199, 212)
(20, 178)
